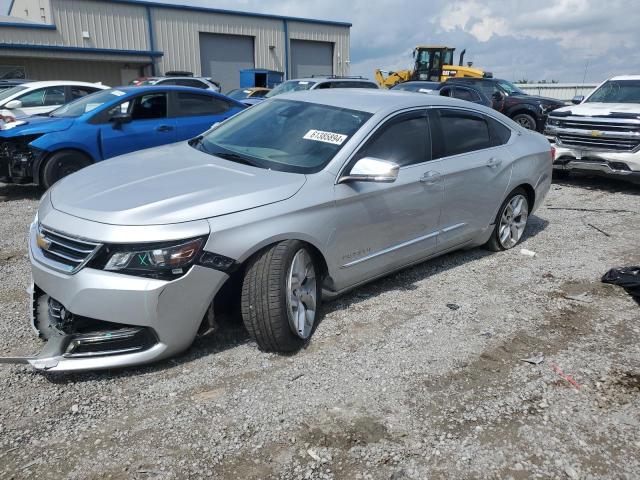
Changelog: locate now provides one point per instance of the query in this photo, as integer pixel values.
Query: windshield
(9, 92)
(149, 81)
(239, 94)
(284, 135)
(510, 88)
(617, 91)
(86, 104)
(291, 86)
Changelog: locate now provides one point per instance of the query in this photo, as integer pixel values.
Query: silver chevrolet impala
(301, 197)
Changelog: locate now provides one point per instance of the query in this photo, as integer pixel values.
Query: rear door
(476, 169)
(194, 113)
(150, 125)
(380, 226)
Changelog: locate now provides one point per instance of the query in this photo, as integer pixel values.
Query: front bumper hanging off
(96, 320)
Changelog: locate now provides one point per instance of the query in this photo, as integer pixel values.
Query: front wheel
(511, 222)
(281, 297)
(61, 164)
(525, 120)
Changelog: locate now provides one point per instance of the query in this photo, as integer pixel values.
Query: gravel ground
(415, 376)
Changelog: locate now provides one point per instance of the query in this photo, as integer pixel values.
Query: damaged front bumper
(95, 319)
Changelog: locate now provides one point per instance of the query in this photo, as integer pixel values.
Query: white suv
(600, 133)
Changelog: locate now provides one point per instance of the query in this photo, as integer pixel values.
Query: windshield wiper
(234, 157)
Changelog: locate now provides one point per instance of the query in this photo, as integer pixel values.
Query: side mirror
(577, 99)
(13, 104)
(497, 96)
(369, 169)
(119, 119)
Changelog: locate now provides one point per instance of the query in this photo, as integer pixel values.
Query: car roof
(331, 79)
(626, 77)
(54, 83)
(181, 77)
(374, 101)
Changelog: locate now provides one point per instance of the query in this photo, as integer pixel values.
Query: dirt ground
(418, 375)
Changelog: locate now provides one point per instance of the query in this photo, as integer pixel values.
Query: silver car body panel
(362, 230)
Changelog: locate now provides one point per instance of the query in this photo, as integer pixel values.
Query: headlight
(157, 261)
(548, 107)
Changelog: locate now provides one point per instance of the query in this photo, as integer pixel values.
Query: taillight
(553, 154)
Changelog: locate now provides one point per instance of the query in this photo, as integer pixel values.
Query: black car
(464, 92)
(421, 86)
(530, 111)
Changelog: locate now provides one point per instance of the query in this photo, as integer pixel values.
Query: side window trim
(419, 111)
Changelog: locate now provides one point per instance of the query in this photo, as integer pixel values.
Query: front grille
(599, 143)
(597, 134)
(63, 252)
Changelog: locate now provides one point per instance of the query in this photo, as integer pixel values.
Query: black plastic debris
(627, 278)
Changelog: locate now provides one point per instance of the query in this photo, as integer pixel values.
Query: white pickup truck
(600, 133)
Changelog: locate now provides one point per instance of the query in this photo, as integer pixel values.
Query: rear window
(291, 86)
(192, 104)
(462, 132)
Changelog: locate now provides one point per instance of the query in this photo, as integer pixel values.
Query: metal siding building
(116, 41)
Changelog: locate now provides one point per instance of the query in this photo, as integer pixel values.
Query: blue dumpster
(255, 77)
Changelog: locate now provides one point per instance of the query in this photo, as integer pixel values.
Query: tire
(60, 164)
(525, 120)
(560, 174)
(271, 293)
(495, 243)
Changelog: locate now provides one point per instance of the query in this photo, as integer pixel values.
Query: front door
(381, 226)
(476, 170)
(149, 126)
(42, 100)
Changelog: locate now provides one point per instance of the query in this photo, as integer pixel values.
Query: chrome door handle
(430, 178)
(494, 162)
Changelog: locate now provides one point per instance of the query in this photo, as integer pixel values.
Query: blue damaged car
(44, 149)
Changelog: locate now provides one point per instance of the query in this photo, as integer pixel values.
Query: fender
(50, 143)
(533, 110)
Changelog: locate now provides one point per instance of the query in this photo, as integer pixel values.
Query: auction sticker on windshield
(327, 137)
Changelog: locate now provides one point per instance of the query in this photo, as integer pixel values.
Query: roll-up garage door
(223, 56)
(311, 58)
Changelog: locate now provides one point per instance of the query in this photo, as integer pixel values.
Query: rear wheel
(281, 297)
(61, 164)
(525, 120)
(511, 222)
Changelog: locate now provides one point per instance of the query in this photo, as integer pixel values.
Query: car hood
(37, 125)
(169, 184)
(537, 98)
(592, 109)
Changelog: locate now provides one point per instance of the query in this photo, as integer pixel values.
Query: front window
(10, 92)
(291, 86)
(284, 135)
(617, 91)
(510, 88)
(88, 103)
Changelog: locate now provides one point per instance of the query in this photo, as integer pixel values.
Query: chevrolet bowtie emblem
(42, 242)
(595, 133)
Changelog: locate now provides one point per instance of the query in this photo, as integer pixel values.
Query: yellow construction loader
(432, 63)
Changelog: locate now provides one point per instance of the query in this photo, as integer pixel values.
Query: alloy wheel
(301, 294)
(513, 221)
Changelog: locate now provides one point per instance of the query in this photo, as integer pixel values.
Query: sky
(515, 39)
